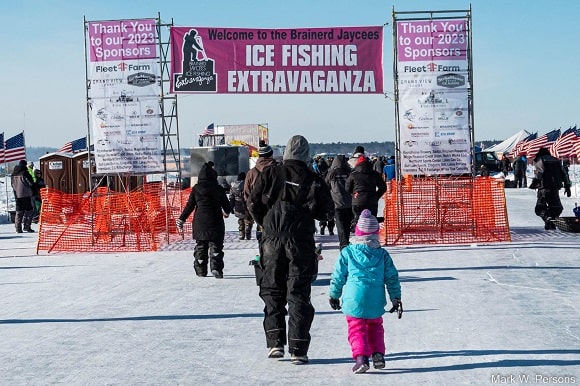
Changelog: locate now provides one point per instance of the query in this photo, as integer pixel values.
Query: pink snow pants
(366, 336)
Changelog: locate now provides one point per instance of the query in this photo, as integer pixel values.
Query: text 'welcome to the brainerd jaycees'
(300, 55)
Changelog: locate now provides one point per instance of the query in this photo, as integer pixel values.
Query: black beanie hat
(359, 149)
(264, 150)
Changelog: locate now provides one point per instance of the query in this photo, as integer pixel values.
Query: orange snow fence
(445, 211)
(108, 221)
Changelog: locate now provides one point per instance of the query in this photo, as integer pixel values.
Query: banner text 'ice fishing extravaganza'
(334, 60)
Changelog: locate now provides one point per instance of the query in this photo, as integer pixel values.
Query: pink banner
(427, 40)
(278, 61)
(122, 40)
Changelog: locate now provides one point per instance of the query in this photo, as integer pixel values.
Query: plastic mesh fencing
(445, 211)
(108, 221)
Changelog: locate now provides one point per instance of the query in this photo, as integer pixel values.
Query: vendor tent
(508, 144)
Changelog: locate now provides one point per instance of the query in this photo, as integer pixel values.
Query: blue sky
(525, 59)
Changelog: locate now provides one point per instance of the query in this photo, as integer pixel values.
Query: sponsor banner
(139, 78)
(337, 60)
(432, 40)
(127, 135)
(124, 90)
(118, 40)
(433, 85)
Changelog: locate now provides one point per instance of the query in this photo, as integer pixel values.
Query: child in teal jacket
(360, 275)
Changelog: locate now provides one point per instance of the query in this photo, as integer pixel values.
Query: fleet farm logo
(431, 67)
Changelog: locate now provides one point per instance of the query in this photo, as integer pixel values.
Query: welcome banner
(334, 60)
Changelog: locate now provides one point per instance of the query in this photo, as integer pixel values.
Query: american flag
(521, 145)
(209, 130)
(1, 147)
(576, 145)
(543, 141)
(74, 146)
(562, 147)
(14, 149)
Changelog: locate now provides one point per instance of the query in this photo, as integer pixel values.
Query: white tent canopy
(508, 144)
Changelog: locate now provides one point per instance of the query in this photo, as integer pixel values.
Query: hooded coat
(336, 181)
(286, 200)
(253, 173)
(549, 173)
(360, 276)
(288, 197)
(208, 199)
(365, 184)
(22, 183)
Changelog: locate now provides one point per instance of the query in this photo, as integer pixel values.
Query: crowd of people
(285, 200)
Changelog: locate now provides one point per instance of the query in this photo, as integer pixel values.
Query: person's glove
(179, 223)
(534, 184)
(397, 306)
(334, 303)
(567, 191)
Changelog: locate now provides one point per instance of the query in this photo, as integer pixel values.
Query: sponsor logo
(102, 114)
(141, 79)
(431, 67)
(105, 126)
(123, 67)
(149, 138)
(444, 134)
(111, 132)
(411, 143)
(432, 99)
(451, 80)
(135, 132)
(457, 141)
(433, 143)
(197, 69)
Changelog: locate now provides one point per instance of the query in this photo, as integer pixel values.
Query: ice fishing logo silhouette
(197, 69)
(192, 47)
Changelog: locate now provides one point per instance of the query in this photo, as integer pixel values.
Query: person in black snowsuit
(286, 200)
(336, 181)
(366, 186)
(329, 222)
(549, 178)
(211, 205)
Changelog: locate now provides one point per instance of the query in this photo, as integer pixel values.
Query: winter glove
(534, 184)
(567, 191)
(179, 223)
(397, 306)
(334, 303)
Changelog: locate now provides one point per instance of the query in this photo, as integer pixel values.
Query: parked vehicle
(487, 158)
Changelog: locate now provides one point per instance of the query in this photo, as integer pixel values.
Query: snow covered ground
(481, 314)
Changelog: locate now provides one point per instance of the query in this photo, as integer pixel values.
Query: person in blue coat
(360, 275)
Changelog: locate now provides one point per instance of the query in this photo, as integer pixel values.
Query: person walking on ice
(360, 275)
